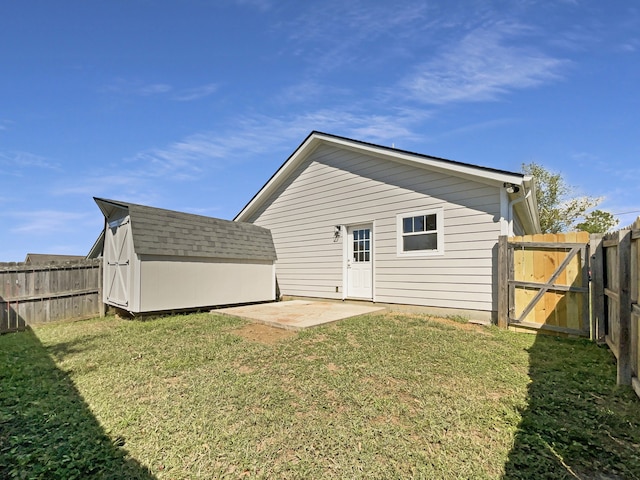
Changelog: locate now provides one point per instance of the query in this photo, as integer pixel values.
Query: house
(354, 220)
(160, 260)
(50, 258)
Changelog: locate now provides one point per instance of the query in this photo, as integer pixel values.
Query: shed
(162, 260)
(355, 220)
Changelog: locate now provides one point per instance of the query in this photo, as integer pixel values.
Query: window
(362, 245)
(421, 233)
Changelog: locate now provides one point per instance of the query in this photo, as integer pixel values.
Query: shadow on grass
(578, 423)
(46, 428)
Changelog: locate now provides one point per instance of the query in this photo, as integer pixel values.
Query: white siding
(180, 283)
(336, 186)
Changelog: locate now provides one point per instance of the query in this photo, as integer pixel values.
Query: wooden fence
(617, 315)
(544, 282)
(32, 294)
(577, 284)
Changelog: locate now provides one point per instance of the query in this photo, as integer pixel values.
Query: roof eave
(108, 206)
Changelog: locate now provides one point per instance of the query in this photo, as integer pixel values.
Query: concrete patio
(299, 314)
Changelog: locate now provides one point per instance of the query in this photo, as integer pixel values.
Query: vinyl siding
(180, 283)
(337, 186)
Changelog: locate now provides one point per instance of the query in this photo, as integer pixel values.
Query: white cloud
(189, 158)
(142, 89)
(135, 87)
(475, 127)
(153, 89)
(623, 169)
(363, 21)
(482, 66)
(197, 92)
(182, 159)
(16, 162)
(46, 221)
(143, 177)
(268, 132)
(99, 185)
(309, 91)
(338, 34)
(631, 46)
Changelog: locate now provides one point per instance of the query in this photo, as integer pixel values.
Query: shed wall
(336, 186)
(173, 283)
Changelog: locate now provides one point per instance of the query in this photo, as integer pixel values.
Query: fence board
(635, 306)
(548, 282)
(31, 294)
(624, 314)
(621, 293)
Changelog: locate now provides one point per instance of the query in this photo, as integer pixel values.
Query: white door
(117, 246)
(359, 261)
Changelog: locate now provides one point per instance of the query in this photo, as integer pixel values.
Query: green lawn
(381, 396)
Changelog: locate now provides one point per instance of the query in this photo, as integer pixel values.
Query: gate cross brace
(549, 284)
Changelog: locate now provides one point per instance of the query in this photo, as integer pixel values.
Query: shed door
(359, 261)
(117, 262)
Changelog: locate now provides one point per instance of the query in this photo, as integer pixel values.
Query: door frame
(344, 230)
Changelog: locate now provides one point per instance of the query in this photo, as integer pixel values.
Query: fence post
(101, 309)
(597, 288)
(635, 311)
(503, 281)
(624, 340)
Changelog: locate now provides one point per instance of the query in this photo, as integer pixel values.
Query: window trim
(439, 213)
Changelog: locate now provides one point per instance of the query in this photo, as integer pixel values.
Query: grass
(381, 396)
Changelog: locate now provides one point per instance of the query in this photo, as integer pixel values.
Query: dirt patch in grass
(461, 325)
(257, 332)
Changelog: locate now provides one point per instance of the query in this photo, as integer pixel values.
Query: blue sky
(191, 105)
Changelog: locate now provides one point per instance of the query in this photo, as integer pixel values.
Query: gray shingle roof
(157, 231)
(44, 258)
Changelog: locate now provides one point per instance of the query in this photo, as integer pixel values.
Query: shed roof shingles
(169, 233)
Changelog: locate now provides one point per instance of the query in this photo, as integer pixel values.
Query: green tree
(598, 221)
(559, 210)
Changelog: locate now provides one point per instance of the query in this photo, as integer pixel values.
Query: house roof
(47, 258)
(157, 231)
(526, 208)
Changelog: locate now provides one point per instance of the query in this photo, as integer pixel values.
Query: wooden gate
(544, 282)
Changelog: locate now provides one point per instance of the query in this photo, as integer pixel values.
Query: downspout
(510, 210)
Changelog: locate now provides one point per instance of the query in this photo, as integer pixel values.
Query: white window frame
(439, 213)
